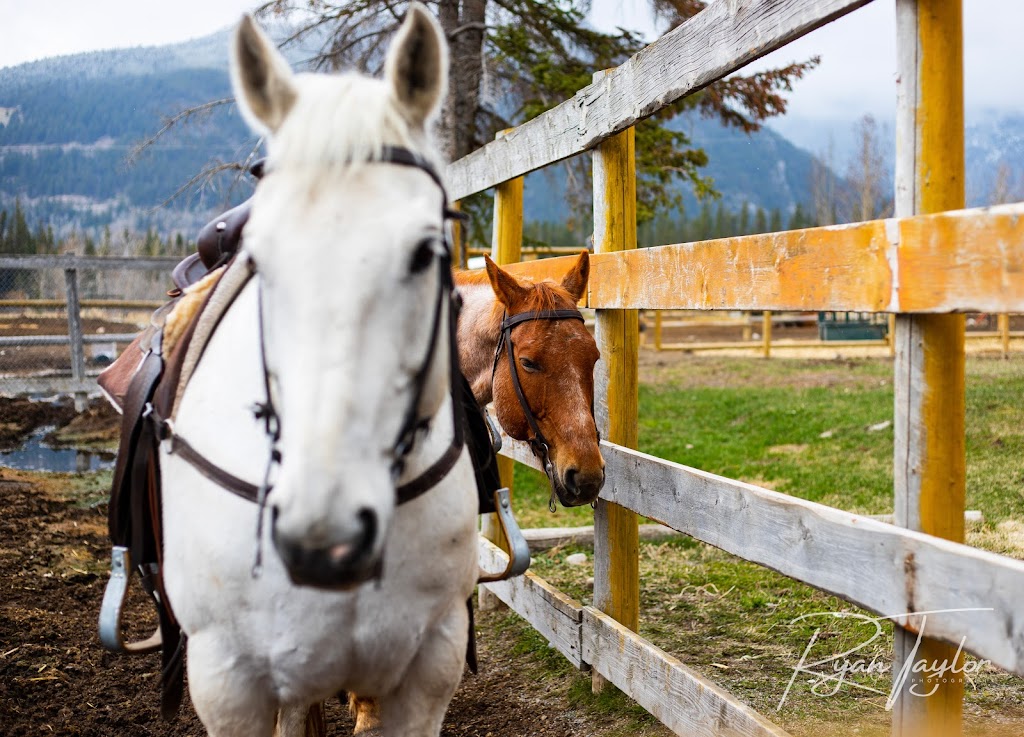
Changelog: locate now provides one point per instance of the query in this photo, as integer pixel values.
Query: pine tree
(799, 219)
(744, 220)
(760, 221)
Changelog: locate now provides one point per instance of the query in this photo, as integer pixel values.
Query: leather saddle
(217, 242)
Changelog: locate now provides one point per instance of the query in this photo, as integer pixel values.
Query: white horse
(345, 325)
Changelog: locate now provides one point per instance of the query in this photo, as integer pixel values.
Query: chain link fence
(64, 318)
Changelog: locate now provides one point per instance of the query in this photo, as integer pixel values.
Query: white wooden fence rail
(885, 569)
(679, 697)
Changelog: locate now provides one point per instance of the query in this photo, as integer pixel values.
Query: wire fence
(63, 318)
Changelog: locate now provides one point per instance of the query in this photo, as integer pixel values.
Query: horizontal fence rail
(679, 697)
(84, 263)
(888, 570)
(891, 265)
(30, 340)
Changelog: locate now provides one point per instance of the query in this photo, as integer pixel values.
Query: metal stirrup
(518, 549)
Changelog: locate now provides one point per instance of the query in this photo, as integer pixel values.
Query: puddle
(34, 455)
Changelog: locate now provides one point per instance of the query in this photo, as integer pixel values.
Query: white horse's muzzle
(340, 564)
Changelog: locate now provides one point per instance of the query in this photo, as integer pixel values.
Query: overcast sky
(856, 75)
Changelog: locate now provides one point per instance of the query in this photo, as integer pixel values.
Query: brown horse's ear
(506, 288)
(575, 282)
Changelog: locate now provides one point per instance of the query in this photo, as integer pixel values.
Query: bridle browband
(413, 425)
(538, 443)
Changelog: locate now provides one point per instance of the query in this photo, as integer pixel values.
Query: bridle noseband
(538, 443)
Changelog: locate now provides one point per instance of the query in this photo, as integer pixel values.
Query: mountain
(760, 170)
(69, 124)
(993, 140)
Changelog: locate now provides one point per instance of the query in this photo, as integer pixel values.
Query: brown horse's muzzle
(576, 487)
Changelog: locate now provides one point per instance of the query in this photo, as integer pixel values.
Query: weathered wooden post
(616, 545)
(766, 333)
(506, 248)
(75, 334)
(460, 257)
(929, 465)
(657, 330)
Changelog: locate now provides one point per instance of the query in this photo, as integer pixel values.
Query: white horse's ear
(417, 65)
(262, 79)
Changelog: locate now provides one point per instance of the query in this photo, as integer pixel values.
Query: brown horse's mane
(545, 295)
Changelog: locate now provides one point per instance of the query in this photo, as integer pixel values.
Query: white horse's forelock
(343, 120)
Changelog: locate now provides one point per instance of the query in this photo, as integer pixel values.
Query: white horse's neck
(479, 329)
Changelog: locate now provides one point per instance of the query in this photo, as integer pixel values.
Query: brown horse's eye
(529, 365)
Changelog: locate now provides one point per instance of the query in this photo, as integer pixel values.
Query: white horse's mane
(343, 120)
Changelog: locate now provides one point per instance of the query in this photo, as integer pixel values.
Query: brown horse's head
(555, 362)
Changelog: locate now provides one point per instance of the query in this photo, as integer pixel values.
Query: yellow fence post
(657, 330)
(616, 544)
(1003, 323)
(929, 425)
(766, 333)
(506, 248)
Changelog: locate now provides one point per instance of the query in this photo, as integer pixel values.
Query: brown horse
(554, 363)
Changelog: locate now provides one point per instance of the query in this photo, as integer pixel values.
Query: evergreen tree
(760, 221)
(800, 218)
(775, 222)
(721, 227)
(744, 221)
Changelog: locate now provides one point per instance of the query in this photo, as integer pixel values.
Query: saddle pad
(173, 319)
(229, 282)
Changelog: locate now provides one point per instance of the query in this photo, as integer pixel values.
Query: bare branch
(467, 27)
(202, 179)
(182, 117)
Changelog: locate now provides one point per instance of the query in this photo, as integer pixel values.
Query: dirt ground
(55, 678)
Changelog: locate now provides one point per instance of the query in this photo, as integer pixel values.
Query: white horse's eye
(423, 256)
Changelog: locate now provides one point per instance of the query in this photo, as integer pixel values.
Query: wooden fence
(764, 341)
(926, 266)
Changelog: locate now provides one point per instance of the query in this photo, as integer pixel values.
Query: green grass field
(820, 430)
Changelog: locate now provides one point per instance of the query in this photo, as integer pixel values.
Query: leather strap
(538, 443)
(187, 452)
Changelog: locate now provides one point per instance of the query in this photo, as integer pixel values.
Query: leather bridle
(413, 425)
(538, 443)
